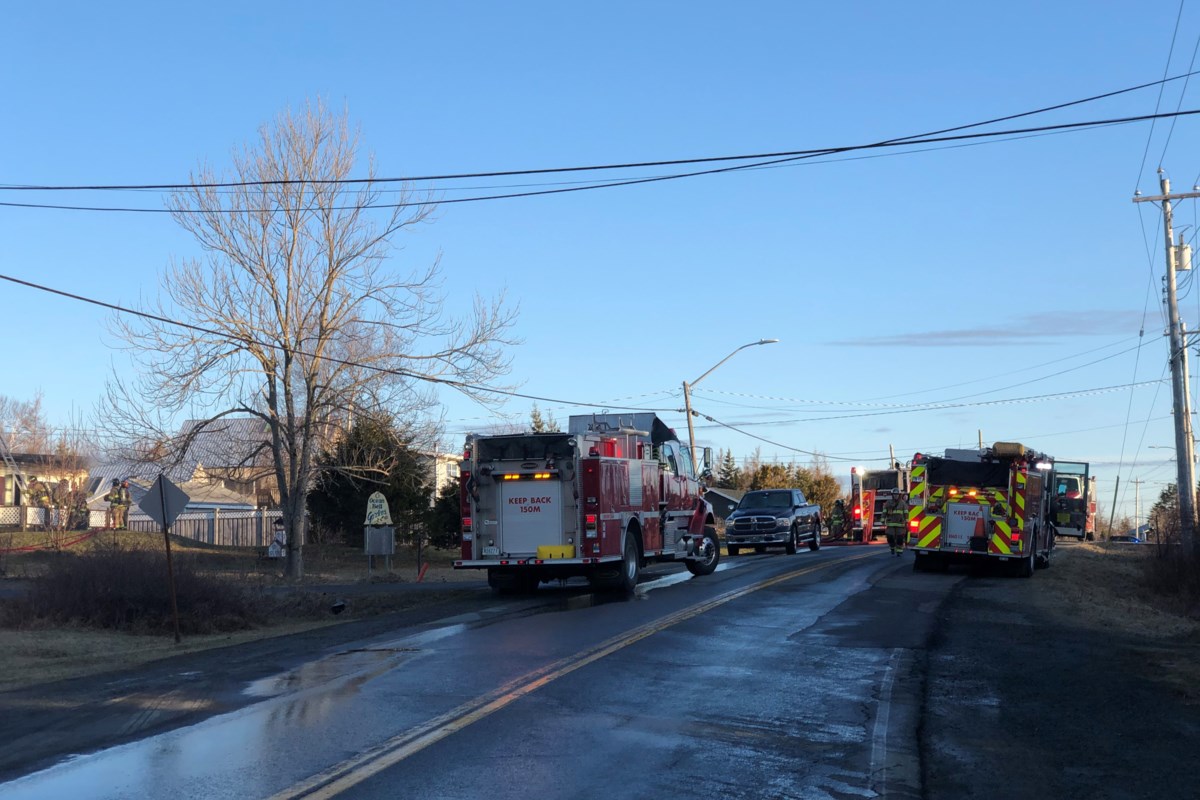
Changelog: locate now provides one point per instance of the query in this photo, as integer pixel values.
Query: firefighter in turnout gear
(38, 495)
(837, 519)
(895, 515)
(118, 504)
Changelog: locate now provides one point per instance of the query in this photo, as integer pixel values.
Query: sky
(923, 297)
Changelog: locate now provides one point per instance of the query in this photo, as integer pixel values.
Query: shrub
(125, 588)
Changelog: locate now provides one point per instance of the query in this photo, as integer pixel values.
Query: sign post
(163, 503)
(379, 537)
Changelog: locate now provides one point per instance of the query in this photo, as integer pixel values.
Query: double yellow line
(340, 777)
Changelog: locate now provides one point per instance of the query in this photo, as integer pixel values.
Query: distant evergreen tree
(540, 424)
(728, 474)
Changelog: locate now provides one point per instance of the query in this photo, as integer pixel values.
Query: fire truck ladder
(9, 462)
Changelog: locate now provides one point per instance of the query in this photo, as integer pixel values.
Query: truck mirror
(707, 459)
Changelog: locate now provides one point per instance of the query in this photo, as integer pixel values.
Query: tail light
(589, 524)
(912, 524)
(466, 522)
(857, 512)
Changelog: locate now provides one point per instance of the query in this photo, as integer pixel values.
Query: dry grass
(42, 656)
(41, 652)
(1113, 589)
(1107, 587)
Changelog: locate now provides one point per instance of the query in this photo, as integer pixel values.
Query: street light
(687, 390)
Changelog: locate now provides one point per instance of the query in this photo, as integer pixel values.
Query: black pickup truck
(773, 518)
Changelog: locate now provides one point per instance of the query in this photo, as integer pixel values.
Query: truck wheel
(733, 549)
(712, 553)
(631, 565)
(793, 537)
(1025, 568)
(815, 544)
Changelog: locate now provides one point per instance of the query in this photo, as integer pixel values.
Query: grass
(42, 632)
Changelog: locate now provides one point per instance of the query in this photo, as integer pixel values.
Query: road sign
(164, 502)
(377, 510)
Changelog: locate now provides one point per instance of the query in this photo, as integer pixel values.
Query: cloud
(1038, 328)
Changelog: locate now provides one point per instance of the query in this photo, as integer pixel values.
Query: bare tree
(23, 425)
(293, 316)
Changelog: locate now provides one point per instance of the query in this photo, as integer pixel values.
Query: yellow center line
(340, 777)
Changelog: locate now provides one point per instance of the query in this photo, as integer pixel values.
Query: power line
(1158, 102)
(460, 385)
(593, 167)
(796, 156)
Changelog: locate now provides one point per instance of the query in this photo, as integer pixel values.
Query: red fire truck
(612, 493)
(869, 491)
(972, 505)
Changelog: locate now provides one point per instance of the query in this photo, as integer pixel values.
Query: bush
(125, 588)
(1175, 576)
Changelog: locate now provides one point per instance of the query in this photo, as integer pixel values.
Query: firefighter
(837, 519)
(895, 515)
(115, 518)
(126, 500)
(38, 494)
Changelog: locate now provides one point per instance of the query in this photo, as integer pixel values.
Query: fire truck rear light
(511, 477)
(1016, 537)
(590, 520)
(953, 492)
(466, 524)
(912, 523)
(504, 562)
(466, 454)
(971, 493)
(538, 561)
(858, 511)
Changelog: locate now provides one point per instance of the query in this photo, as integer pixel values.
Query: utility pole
(1137, 504)
(1185, 465)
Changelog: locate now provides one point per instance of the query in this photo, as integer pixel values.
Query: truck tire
(631, 565)
(1025, 567)
(713, 548)
(793, 537)
(815, 544)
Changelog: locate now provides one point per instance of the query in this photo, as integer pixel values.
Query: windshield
(766, 500)
(888, 479)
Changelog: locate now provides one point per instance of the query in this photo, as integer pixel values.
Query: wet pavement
(778, 676)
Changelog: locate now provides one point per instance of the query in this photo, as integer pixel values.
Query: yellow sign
(377, 510)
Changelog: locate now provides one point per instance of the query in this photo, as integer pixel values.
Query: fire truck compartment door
(530, 515)
(962, 521)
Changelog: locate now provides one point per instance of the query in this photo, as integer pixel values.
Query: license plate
(491, 551)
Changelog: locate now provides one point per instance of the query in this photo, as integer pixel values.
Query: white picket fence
(215, 527)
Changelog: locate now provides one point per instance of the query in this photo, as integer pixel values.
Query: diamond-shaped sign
(164, 502)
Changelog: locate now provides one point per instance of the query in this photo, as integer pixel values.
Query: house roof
(226, 442)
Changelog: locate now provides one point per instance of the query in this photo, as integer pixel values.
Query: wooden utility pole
(1184, 445)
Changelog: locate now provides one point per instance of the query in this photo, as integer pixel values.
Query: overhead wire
(1183, 91)
(592, 167)
(1158, 102)
(803, 154)
(459, 385)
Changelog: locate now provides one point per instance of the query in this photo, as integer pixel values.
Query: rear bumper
(533, 561)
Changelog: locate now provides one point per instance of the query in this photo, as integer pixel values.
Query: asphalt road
(834, 674)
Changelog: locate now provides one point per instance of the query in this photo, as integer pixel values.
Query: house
(49, 469)
(724, 501)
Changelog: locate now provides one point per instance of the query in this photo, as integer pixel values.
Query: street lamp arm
(687, 390)
(731, 355)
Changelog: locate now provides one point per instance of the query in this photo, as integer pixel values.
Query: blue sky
(970, 275)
